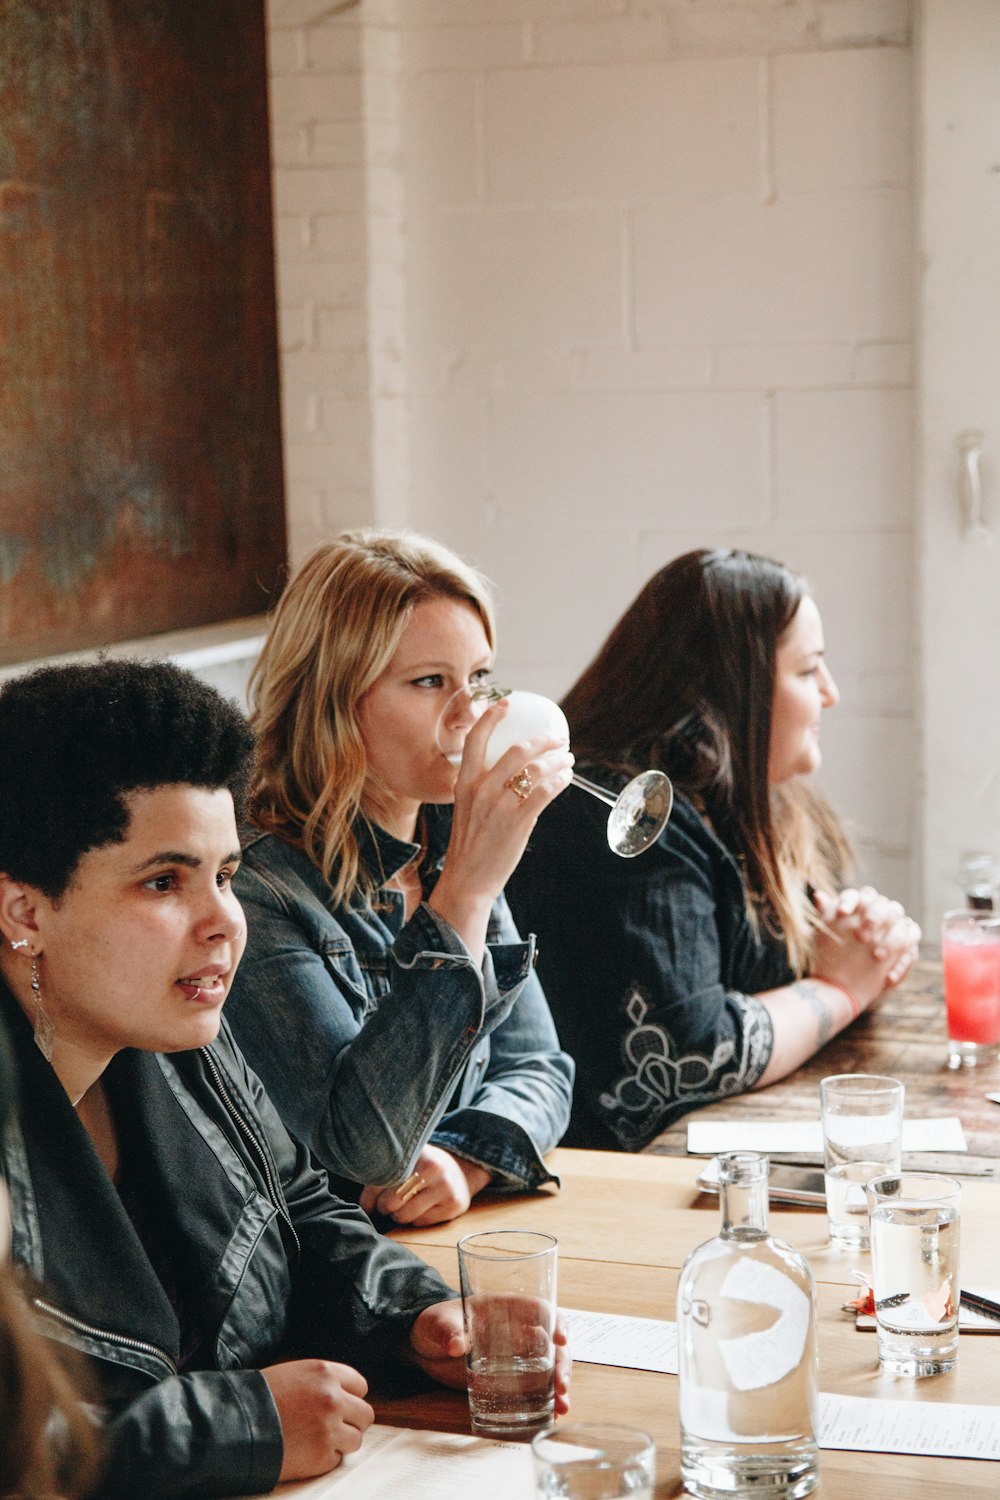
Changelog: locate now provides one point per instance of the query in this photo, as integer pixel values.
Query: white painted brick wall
(578, 284)
(320, 160)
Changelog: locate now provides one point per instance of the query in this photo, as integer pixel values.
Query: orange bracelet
(855, 1007)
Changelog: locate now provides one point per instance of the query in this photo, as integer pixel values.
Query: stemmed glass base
(639, 813)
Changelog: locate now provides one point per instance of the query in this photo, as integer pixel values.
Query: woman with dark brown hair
(730, 952)
(46, 1440)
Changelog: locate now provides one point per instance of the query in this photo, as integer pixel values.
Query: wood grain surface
(624, 1226)
(904, 1036)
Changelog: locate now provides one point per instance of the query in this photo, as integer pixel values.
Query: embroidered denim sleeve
(651, 968)
(661, 1081)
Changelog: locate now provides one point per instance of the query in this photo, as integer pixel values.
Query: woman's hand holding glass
(322, 1406)
(438, 1344)
(867, 944)
(492, 819)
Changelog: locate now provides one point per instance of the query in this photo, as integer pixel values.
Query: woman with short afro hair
(229, 1306)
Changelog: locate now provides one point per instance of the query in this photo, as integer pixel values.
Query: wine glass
(639, 812)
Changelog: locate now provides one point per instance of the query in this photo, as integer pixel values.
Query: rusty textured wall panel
(140, 449)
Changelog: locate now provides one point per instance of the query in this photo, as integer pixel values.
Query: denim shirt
(374, 1035)
(651, 966)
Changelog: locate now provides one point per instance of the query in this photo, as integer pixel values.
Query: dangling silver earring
(21, 943)
(45, 1031)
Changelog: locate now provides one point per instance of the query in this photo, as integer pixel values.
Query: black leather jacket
(264, 1262)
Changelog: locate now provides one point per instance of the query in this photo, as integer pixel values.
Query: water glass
(508, 1279)
(970, 948)
(916, 1220)
(862, 1135)
(594, 1461)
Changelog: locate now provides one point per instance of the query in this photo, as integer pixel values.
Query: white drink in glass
(639, 812)
(529, 714)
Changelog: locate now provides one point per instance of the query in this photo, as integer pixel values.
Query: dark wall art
(140, 450)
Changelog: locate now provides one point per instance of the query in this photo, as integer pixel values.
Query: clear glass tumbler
(862, 1138)
(508, 1279)
(916, 1222)
(594, 1461)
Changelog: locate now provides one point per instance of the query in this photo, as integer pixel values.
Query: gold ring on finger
(521, 785)
(410, 1188)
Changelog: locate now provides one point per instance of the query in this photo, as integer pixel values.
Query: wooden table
(902, 1035)
(625, 1224)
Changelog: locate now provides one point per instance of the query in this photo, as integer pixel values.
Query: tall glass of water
(508, 1279)
(862, 1138)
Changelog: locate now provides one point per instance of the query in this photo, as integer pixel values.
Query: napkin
(709, 1137)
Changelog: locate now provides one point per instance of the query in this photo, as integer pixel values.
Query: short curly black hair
(77, 740)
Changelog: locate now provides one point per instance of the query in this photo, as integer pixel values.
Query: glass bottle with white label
(746, 1323)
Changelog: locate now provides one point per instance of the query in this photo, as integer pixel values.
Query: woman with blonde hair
(728, 953)
(386, 998)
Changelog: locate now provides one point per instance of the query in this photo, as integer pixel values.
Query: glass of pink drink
(970, 948)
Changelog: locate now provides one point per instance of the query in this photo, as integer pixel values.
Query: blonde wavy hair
(333, 633)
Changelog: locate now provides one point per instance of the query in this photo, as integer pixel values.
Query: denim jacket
(374, 1036)
(651, 966)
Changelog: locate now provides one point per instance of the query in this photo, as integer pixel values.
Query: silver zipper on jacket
(274, 1191)
(126, 1341)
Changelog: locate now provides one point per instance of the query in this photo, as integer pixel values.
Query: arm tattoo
(820, 1008)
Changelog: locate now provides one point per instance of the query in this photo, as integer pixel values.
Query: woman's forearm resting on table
(805, 1015)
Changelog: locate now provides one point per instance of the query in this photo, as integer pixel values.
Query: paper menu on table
(937, 1429)
(630, 1343)
(848, 1422)
(396, 1461)
(709, 1137)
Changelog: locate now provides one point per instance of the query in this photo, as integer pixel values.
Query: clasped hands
(867, 943)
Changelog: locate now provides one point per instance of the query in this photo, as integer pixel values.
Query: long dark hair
(685, 683)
